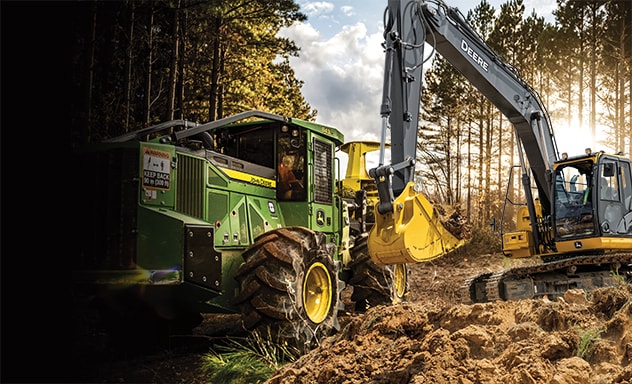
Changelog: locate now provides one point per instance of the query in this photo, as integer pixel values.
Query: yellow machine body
(357, 178)
(412, 233)
(519, 244)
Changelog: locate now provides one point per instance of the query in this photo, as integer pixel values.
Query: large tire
(290, 286)
(375, 284)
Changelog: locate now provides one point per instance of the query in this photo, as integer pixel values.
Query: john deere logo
(320, 217)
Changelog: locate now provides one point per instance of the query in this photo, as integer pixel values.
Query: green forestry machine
(240, 215)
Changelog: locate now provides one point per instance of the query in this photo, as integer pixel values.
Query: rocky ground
(431, 338)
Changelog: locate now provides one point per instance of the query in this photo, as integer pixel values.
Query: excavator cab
(593, 203)
(591, 210)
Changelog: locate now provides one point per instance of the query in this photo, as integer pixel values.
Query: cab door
(614, 184)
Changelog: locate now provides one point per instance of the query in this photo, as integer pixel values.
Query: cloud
(347, 10)
(342, 77)
(317, 8)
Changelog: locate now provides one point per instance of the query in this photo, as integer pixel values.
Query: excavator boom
(408, 228)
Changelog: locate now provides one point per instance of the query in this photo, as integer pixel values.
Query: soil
(586, 337)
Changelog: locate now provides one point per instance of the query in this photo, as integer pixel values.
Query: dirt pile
(584, 338)
(431, 338)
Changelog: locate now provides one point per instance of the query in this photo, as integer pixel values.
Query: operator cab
(250, 148)
(592, 197)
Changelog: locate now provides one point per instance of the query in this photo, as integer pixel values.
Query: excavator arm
(408, 228)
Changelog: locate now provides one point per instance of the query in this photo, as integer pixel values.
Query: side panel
(263, 215)
(322, 218)
(160, 240)
(239, 233)
(218, 208)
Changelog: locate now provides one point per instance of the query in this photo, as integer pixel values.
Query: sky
(341, 62)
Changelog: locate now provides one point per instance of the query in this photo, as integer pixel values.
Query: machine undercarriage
(549, 279)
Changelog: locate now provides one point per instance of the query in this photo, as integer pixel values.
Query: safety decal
(156, 169)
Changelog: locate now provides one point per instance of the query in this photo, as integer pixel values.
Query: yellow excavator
(578, 213)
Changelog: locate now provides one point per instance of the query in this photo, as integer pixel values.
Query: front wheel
(375, 284)
(289, 284)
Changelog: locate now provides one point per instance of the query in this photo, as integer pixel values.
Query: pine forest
(137, 63)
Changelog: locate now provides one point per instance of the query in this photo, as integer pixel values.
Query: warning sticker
(156, 169)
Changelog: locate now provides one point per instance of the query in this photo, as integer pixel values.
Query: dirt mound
(584, 338)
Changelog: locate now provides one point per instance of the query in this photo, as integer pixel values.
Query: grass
(619, 279)
(587, 339)
(248, 360)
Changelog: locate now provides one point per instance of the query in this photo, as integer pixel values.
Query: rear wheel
(375, 284)
(289, 285)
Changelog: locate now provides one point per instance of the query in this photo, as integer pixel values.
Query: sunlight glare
(573, 138)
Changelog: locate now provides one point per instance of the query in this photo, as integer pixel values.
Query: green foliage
(619, 279)
(587, 339)
(248, 360)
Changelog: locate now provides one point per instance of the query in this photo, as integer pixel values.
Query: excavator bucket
(414, 231)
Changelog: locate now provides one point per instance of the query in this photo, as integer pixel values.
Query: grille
(190, 186)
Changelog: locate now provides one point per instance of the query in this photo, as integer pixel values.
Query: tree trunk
(220, 88)
(457, 184)
(500, 172)
(469, 174)
(488, 160)
(624, 132)
(150, 25)
(129, 60)
(593, 73)
(175, 57)
(181, 66)
(215, 69)
(580, 81)
(481, 152)
(87, 133)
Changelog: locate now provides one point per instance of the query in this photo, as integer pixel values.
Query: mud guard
(412, 233)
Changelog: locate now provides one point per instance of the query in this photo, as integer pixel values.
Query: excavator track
(551, 278)
(472, 290)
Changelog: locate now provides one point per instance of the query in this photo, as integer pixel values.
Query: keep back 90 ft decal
(156, 169)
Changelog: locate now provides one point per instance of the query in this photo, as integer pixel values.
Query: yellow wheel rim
(317, 292)
(400, 277)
